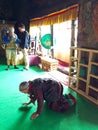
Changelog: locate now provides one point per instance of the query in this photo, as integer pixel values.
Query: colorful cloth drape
(70, 13)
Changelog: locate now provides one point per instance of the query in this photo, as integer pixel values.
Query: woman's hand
(26, 103)
(34, 115)
(33, 101)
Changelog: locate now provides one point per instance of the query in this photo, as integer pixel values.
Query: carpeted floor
(13, 116)
(59, 76)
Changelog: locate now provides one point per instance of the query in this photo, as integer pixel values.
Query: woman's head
(11, 31)
(24, 87)
(21, 27)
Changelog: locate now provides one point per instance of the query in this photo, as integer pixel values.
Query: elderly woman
(11, 44)
(47, 89)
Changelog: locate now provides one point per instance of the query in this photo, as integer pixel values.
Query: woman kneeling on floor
(47, 89)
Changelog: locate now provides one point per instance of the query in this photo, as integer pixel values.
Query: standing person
(47, 89)
(24, 44)
(11, 47)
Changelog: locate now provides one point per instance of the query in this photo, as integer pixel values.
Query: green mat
(13, 116)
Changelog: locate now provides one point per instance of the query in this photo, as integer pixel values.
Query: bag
(5, 36)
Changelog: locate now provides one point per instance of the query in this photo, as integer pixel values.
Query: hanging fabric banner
(70, 13)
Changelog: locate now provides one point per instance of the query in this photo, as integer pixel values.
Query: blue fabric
(24, 40)
(5, 40)
(17, 40)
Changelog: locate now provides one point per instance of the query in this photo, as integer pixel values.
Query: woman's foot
(15, 67)
(25, 68)
(72, 97)
(7, 68)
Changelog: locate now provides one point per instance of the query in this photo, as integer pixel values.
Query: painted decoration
(46, 41)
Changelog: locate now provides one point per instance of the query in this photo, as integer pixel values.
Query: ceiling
(26, 9)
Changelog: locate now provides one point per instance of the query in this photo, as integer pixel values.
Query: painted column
(88, 24)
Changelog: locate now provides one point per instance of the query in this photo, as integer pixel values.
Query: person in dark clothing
(24, 44)
(47, 89)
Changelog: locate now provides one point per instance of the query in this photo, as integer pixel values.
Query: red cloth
(34, 60)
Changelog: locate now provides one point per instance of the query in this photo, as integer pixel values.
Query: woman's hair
(11, 29)
(21, 25)
(23, 85)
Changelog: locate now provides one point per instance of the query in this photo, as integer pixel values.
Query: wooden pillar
(73, 33)
(52, 50)
(73, 40)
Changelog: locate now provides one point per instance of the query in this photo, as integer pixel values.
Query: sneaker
(25, 68)
(15, 67)
(7, 69)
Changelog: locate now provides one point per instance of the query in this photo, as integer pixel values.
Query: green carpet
(13, 116)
